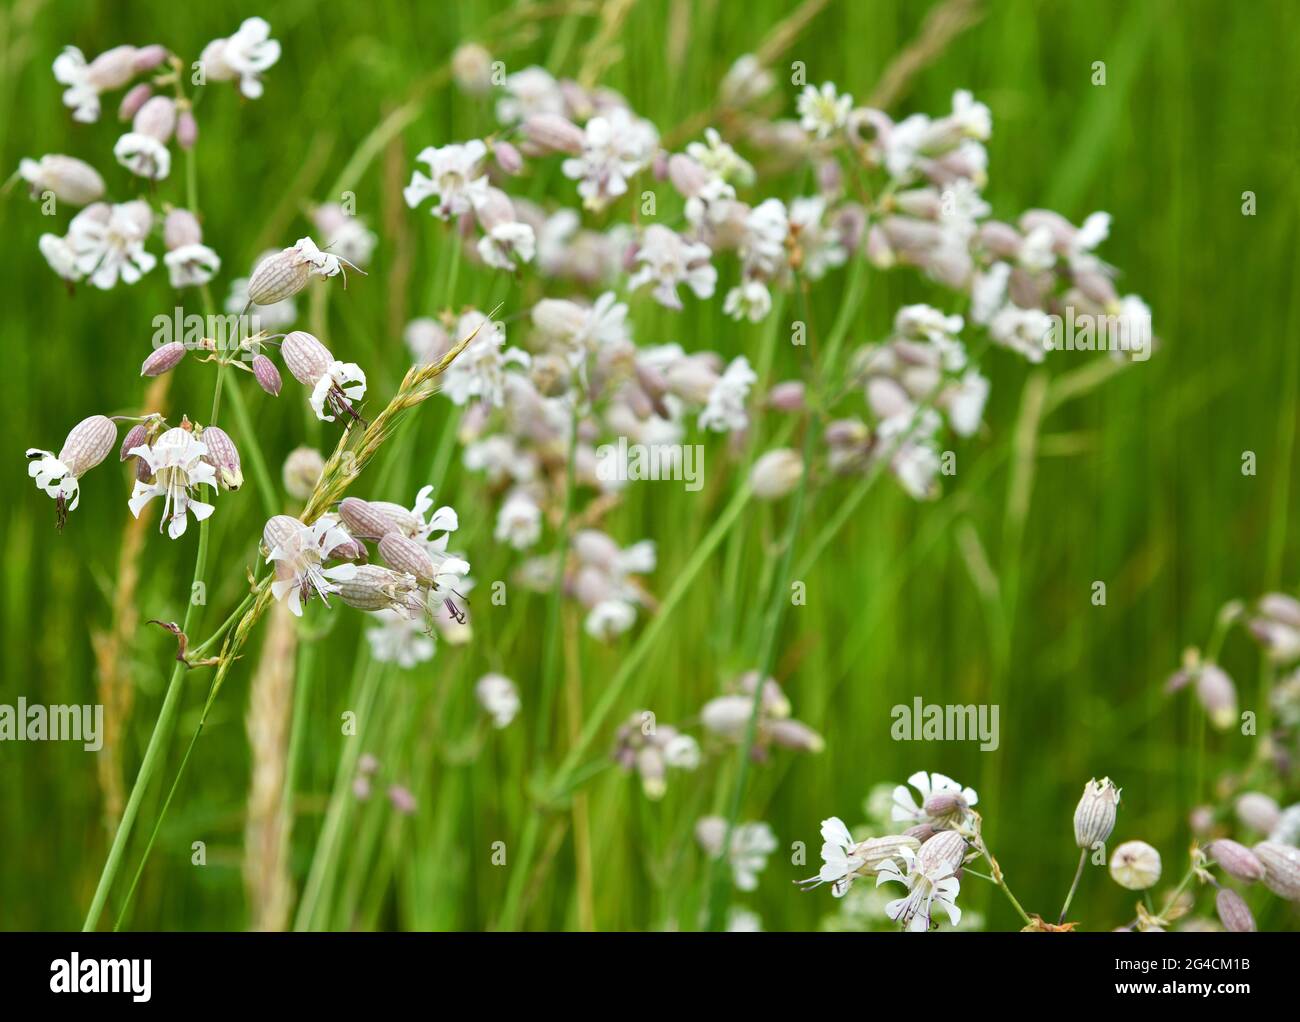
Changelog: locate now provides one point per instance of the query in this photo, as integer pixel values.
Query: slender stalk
(1078, 874)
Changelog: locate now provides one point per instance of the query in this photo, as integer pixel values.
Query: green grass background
(1137, 484)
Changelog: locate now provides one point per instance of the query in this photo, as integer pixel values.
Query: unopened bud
(365, 521)
(508, 157)
(794, 734)
(156, 118)
(1258, 811)
(687, 176)
(163, 359)
(1281, 868)
(945, 805)
(223, 456)
(553, 133)
(187, 129)
(302, 471)
(266, 374)
(134, 99)
(787, 396)
(776, 473)
(146, 58)
(1236, 859)
(1233, 912)
(87, 444)
(1094, 817)
(136, 436)
(1218, 695)
(181, 228)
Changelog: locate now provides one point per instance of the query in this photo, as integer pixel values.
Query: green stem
(1078, 874)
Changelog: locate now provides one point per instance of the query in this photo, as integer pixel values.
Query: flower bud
(134, 99)
(1233, 912)
(146, 58)
(365, 521)
(776, 473)
(1135, 865)
(1236, 859)
(305, 357)
(302, 471)
(1281, 868)
(794, 734)
(156, 118)
(509, 158)
(1218, 695)
(277, 277)
(71, 180)
(87, 444)
(409, 556)
(112, 69)
(136, 436)
(222, 456)
(471, 66)
(1094, 817)
(687, 176)
(163, 359)
(553, 133)
(266, 375)
(922, 832)
(945, 805)
(181, 228)
(1258, 811)
(187, 129)
(787, 396)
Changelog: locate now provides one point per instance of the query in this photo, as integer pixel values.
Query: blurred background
(1136, 482)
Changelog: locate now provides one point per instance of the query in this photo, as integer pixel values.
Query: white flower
(176, 468)
(725, 409)
(345, 233)
(750, 299)
(455, 176)
(530, 91)
(108, 242)
(609, 619)
(925, 889)
(924, 322)
(1038, 250)
(1025, 331)
(971, 116)
(499, 698)
(717, 157)
(323, 264)
(244, 55)
(824, 111)
(143, 155)
(54, 477)
(682, 752)
(400, 639)
(822, 248)
(299, 553)
(479, 371)
(616, 146)
(906, 809)
(58, 253)
(342, 378)
(519, 522)
(762, 246)
(915, 465)
(751, 844)
(506, 245)
(965, 401)
(667, 260)
(988, 292)
(191, 265)
(839, 863)
(81, 96)
(903, 144)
